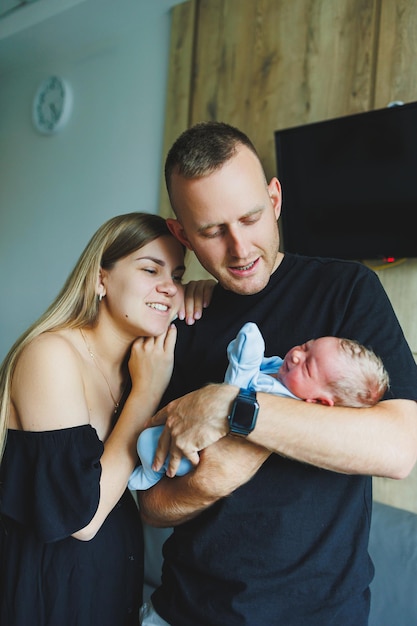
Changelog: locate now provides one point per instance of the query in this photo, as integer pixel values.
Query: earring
(100, 297)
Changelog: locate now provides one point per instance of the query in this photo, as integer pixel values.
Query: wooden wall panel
(179, 84)
(400, 493)
(396, 79)
(179, 102)
(400, 283)
(396, 71)
(263, 64)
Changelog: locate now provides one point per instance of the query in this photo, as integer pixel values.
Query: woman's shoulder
(48, 383)
(57, 344)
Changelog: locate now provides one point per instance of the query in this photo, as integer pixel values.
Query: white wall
(56, 190)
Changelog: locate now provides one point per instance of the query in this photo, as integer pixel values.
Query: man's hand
(224, 467)
(192, 423)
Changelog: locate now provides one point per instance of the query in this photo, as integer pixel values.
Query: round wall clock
(52, 105)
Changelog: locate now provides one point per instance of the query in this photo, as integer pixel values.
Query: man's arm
(224, 466)
(376, 441)
(379, 441)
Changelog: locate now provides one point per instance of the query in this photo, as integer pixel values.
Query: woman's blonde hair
(77, 304)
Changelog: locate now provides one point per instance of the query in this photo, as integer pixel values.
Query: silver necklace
(94, 358)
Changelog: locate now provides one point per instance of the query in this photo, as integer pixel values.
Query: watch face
(52, 105)
(243, 416)
(244, 413)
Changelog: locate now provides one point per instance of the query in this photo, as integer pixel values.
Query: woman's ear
(101, 287)
(178, 232)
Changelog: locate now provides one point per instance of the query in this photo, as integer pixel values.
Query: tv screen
(349, 185)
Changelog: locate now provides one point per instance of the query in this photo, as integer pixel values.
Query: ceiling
(40, 30)
(18, 15)
(9, 6)
(36, 29)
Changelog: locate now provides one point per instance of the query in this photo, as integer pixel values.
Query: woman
(76, 390)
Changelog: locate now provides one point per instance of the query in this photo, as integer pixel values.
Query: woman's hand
(151, 362)
(197, 296)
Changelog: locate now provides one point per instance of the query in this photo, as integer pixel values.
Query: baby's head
(334, 371)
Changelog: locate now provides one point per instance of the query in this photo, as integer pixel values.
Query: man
(278, 534)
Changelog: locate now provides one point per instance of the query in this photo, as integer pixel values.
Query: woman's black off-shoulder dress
(49, 489)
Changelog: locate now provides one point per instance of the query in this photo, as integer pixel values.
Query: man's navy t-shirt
(288, 548)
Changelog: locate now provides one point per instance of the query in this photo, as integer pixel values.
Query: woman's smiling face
(144, 290)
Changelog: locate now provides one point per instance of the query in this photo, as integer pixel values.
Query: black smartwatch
(245, 409)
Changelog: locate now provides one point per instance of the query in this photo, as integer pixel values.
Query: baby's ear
(324, 400)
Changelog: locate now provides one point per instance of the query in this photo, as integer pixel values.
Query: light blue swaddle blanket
(248, 369)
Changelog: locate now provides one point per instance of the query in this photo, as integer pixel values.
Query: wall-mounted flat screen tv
(349, 185)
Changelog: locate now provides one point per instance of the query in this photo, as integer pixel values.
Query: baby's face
(307, 369)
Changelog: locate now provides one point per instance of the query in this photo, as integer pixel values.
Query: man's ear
(274, 190)
(178, 232)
